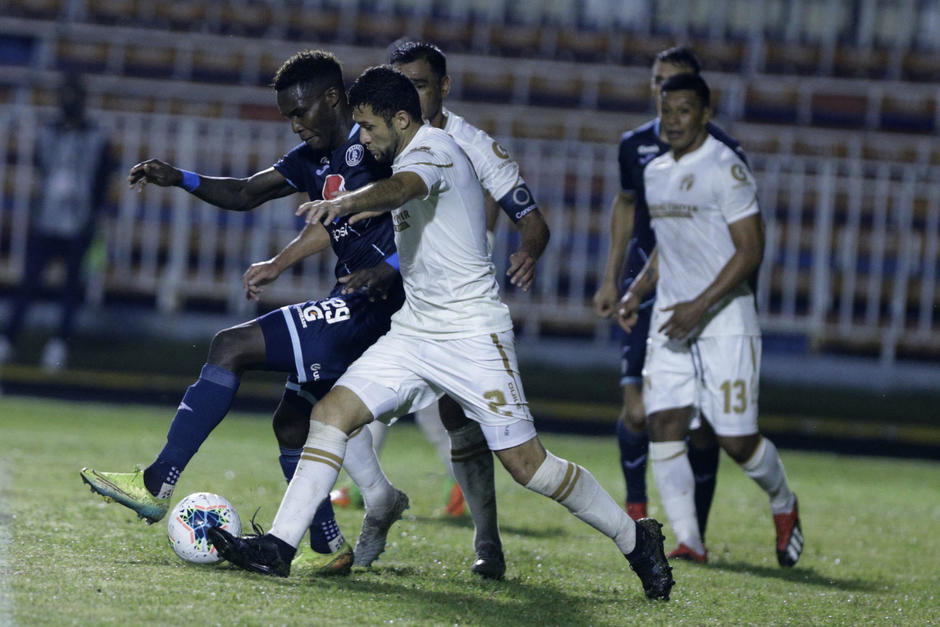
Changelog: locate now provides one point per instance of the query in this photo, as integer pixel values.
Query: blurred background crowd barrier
(837, 104)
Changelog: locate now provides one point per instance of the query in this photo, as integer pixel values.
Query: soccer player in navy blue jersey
(314, 341)
(631, 242)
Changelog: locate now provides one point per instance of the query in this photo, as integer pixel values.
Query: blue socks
(325, 536)
(704, 464)
(203, 407)
(633, 453)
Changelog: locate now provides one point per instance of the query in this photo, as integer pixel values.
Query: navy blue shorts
(316, 341)
(633, 344)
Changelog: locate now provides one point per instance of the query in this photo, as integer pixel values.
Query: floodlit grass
(870, 525)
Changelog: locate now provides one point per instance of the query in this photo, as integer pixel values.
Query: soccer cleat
(648, 560)
(636, 511)
(455, 506)
(490, 563)
(128, 489)
(374, 532)
(347, 496)
(685, 552)
(262, 554)
(789, 536)
(338, 562)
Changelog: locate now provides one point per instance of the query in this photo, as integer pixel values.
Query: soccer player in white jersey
(704, 345)
(452, 336)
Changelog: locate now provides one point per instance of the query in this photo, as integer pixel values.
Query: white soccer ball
(191, 519)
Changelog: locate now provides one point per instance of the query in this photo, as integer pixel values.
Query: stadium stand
(838, 108)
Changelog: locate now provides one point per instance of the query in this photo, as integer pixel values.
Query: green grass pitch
(66, 557)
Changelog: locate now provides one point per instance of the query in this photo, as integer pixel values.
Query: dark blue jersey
(637, 148)
(322, 175)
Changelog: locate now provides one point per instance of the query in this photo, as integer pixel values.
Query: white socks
(315, 475)
(473, 469)
(766, 469)
(362, 465)
(676, 485)
(379, 430)
(578, 490)
(429, 419)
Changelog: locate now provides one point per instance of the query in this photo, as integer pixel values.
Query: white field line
(6, 537)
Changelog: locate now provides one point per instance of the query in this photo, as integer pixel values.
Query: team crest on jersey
(499, 151)
(687, 182)
(334, 184)
(737, 171)
(354, 154)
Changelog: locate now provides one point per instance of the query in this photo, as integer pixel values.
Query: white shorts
(404, 373)
(718, 375)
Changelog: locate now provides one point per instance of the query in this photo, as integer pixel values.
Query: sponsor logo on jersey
(333, 184)
(400, 220)
(499, 151)
(672, 210)
(647, 149)
(354, 154)
(687, 182)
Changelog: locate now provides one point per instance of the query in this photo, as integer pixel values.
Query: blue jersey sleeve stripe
(295, 344)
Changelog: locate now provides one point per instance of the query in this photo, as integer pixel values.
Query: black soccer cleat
(262, 554)
(789, 536)
(648, 559)
(490, 563)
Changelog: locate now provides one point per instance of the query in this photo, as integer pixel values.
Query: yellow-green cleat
(128, 489)
(338, 562)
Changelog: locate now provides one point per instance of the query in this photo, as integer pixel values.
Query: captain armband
(518, 202)
(190, 181)
(392, 260)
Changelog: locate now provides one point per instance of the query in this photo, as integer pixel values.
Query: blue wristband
(392, 260)
(190, 180)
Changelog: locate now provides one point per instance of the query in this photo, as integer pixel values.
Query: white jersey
(497, 172)
(691, 204)
(450, 281)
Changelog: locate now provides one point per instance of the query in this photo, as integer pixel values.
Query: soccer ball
(191, 519)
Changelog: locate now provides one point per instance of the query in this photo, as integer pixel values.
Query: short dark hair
(410, 51)
(680, 55)
(387, 91)
(316, 68)
(691, 82)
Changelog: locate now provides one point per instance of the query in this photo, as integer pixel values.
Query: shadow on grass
(465, 522)
(798, 575)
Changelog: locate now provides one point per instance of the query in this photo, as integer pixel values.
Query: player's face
(661, 73)
(309, 115)
(378, 136)
(684, 117)
(431, 89)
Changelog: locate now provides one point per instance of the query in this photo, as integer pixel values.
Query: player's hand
(377, 280)
(685, 317)
(364, 215)
(605, 300)
(521, 270)
(322, 211)
(258, 275)
(628, 311)
(154, 171)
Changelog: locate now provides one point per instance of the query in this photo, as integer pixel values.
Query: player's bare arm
(644, 283)
(748, 237)
(234, 194)
(621, 230)
(535, 234)
(380, 196)
(312, 239)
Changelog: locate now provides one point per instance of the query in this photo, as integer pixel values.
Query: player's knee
(740, 448)
(452, 416)
(524, 461)
(633, 417)
(291, 423)
(341, 408)
(229, 350)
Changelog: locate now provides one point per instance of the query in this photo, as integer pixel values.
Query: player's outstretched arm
(748, 237)
(235, 194)
(535, 235)
(311, 240)
(622, 211)
(629, 307)
(380, 196)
